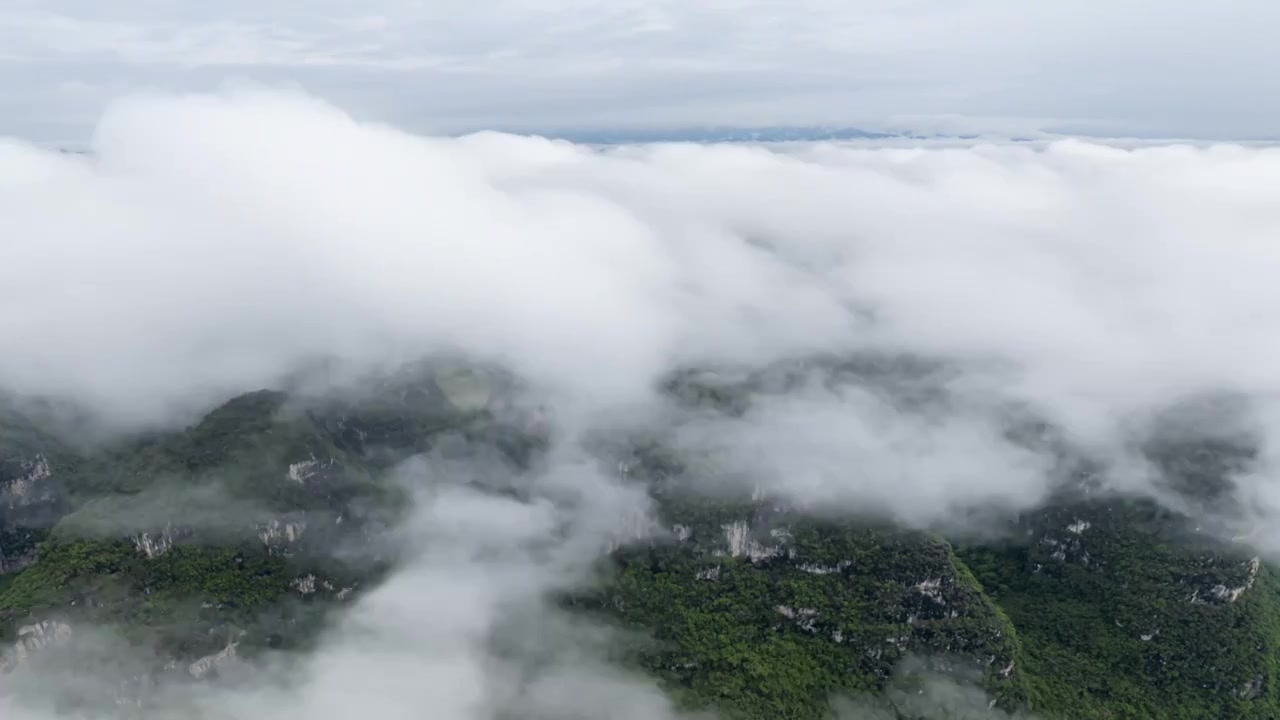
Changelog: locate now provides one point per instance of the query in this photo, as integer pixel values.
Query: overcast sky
(1185, 68)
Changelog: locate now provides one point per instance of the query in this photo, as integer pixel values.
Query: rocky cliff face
(34, 638)
(32, 494)
(772, 612)
(1099, 585)
(246, 531)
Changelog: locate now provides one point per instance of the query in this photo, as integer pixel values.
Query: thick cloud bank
(220, 239)
(213, 244)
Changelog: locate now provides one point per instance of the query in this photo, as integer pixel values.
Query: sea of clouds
(212, 244)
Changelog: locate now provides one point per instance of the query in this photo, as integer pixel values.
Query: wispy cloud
(1138, 68)
(213, 243)
(1081, 279)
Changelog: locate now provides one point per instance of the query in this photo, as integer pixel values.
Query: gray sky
(1129, 67)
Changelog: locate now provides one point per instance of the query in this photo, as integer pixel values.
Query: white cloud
(211, 243)
(467, 628)
(215, 240)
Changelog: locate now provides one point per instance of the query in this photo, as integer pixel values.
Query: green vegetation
(186, 541)
(250, 525)
(1136, 617)
(772, 639)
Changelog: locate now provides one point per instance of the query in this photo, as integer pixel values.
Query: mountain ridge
(1093, 608)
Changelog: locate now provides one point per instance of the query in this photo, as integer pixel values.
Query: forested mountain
(185, 557)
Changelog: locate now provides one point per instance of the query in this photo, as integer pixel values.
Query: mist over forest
(311, 415)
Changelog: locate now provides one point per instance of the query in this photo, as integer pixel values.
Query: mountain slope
(246, 531)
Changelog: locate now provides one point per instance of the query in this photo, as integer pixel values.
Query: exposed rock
(816, 569)
(220, 660)
(1070, 548)
(742, 544)
(29, 486)
(34, 637)
(305, 585)
(711, 573)
(932, 589)
(153, 545)
(1221, 593)
(1252, 689)
(1079, 526)
(806, 618)
(301, 472)
(280, 533)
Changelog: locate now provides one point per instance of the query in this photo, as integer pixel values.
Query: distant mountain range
(718, 134)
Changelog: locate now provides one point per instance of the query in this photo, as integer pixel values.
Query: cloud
(214, 243)
(1098, 68)
(468, 627)
(850, 449)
